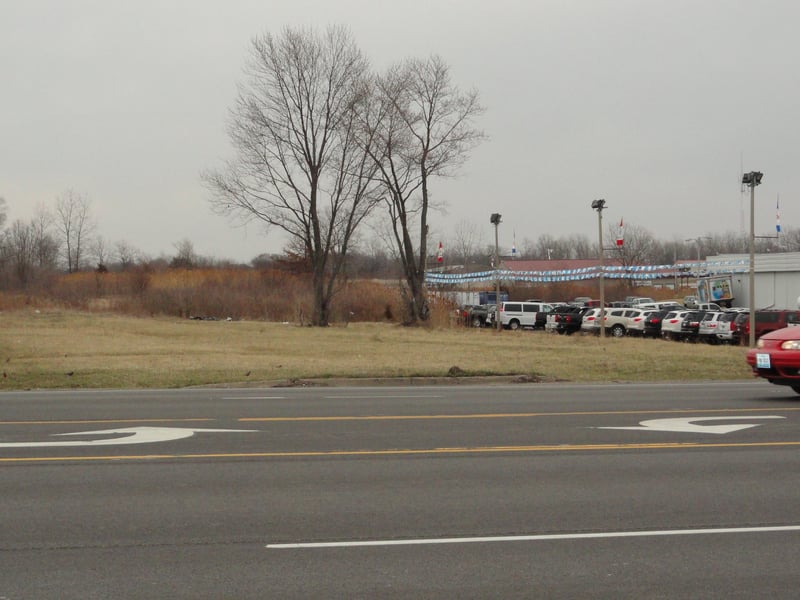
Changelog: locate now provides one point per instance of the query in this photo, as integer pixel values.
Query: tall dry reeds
(236, 293)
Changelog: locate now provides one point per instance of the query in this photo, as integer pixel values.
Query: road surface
(519, 491)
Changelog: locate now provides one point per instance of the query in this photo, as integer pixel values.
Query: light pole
(751, 180)
(495, 220)
(599, 205)
(698, 241)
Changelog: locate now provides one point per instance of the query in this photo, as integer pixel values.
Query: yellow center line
(516, 415)
(407, 452)
(413, 417)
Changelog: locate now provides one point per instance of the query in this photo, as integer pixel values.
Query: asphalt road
(519, 491)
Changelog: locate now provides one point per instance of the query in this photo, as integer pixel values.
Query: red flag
(440, 254)
(621, 235)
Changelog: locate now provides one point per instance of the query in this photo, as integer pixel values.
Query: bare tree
(28, 250)
(100, 252)
(185, 256)
(125, 254)
(424, 129)
(75, 226)
(639, 247)
(467, 242)
(19, 251)
(300, 165)
(580, 246)
(3, 211)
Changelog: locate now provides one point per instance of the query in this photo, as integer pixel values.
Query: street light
(751, 180)
(495, 220)
(698, 241)
(599, 205)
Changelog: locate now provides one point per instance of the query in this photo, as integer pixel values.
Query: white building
(776, 276)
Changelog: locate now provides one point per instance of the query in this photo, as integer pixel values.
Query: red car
(776, 357)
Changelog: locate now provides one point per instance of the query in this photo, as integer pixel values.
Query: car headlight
(760, 344)
(791, 345)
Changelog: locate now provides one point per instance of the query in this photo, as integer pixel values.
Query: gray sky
(652, 105)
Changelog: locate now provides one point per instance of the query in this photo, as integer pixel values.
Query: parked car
(709, 324)
(478, 315)
(514, 315)
(728, 331)
(708, 306)
(770, 320)
(590, 322)
(566, 319)
(742, 326)
(690, 301)
(652, 323)
(671, 324)
(637, 320)
(618, 320)
(635, 301)
(669, 304)
(776, 357)
(690, 326)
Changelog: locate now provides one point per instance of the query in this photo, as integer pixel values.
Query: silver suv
(618, 320)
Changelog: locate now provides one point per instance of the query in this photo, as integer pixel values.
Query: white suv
(636, 321)
(671, 324)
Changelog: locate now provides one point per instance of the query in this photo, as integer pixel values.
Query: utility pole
(599, 205)
(752, 179)
(495, 220)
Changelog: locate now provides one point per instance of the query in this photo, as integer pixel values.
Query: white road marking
(534, 538)
(254, 397)
(381, 396)
(687, 424)
(137, 435)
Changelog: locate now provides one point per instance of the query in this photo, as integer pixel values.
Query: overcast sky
(652, 105)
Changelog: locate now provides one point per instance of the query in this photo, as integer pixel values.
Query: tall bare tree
(45, 242)
(424, 129)
(299, 165)
(75, 226)
(3, 211)
(125, 254)
(467, 242)
(638, 246)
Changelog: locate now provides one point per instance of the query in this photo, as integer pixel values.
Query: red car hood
(787, 333)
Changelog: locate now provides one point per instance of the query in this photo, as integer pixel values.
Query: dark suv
(769, 320)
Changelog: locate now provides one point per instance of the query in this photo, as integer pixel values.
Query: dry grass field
(71, 349)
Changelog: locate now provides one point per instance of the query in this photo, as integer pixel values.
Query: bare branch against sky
(654, 106)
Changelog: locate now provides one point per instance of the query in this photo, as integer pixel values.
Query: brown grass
(46, 348)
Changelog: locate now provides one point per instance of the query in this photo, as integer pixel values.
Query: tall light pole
(698, 241)
(495, 220)
(599, 205)
(752, 179)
